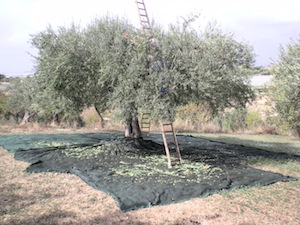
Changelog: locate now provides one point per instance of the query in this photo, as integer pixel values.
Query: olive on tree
(111, 64)
(286, 90)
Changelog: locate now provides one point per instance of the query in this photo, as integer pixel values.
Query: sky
(264, 24)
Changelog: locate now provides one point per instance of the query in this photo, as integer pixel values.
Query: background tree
(2, 77)
(20, 98)
(3, 100)
(68, 70)
(286, 90)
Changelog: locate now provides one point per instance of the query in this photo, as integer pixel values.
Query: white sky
(264, 24)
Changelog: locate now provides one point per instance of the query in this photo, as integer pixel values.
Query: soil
(135, 172)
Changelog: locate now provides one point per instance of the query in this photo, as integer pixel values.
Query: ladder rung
(146, 122)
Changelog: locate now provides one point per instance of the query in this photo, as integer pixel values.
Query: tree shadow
(287, 148)
(219, 153)
(69, 218)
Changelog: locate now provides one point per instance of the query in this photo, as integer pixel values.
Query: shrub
(253, 119)
(233, 120)
(90, 117)
(286, 90)
(210, 128)
(191, 116)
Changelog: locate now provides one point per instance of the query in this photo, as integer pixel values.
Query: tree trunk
(132, 127)
(26, 118)
(99, 114)
(298, 130)
(55, 119)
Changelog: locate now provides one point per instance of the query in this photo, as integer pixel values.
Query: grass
(54, 198)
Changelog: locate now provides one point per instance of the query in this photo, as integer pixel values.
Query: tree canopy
(2, 77)
(110, 64)
(286, 90)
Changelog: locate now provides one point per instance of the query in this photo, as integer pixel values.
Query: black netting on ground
(31, 141)
(135, 172)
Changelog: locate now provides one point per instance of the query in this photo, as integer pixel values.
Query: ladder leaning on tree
(145, 122)
(168, 133)
(143, 15)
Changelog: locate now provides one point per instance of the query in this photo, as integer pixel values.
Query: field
(57, 198)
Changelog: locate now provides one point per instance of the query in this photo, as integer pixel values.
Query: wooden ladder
(169, 137)
(143, 15)
(145, 122)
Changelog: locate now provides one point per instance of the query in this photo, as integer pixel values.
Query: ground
(48, 198)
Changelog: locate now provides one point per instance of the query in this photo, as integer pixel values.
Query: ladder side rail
(142, 8)
(177, 146)
(166, 146)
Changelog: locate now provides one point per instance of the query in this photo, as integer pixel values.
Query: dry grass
(53, 198)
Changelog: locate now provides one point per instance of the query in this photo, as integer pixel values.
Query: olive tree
(286, 90)
(111, 64)
(2, 77)
(20, 98)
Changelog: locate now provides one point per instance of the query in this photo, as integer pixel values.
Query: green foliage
(253, 119)
(110, 64)
(209, 67)
(238, 119)
(286, 90)
(3, 100)
(20, 98)
(91, 118)
(2, 77)
(233, 120)
(193, 114)
(262, 70)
